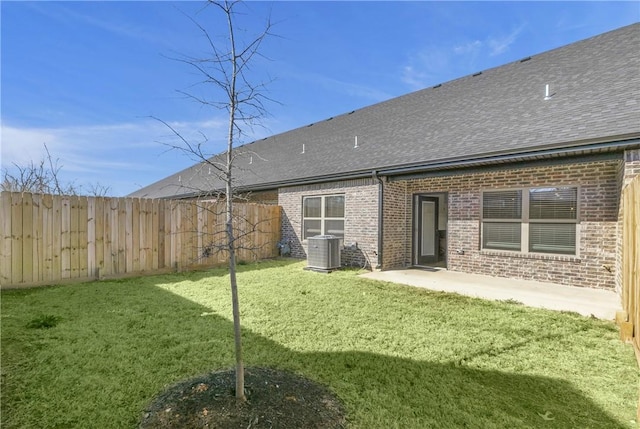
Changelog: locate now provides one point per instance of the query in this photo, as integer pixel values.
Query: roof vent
(477, 74)
(437, 86)
(525, 59)
(355, 145)
(330, 118)
(302, 148)
(353, 111)
(547, 93)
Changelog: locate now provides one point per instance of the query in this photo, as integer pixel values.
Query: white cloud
(414, 78)
(468, 47)
(73, 145)
(500, 45)
(426, 67)
(440, 63)
(362, 91)
(348, 88)
(115, 155)
(20, 146)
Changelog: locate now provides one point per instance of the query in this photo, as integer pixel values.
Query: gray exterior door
(427, 245)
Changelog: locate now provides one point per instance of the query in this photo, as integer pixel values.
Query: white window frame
(323, 218)
(525, 221)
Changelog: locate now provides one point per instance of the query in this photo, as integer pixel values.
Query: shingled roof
(496, 115)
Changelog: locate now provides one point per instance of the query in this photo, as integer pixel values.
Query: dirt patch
(275, 399)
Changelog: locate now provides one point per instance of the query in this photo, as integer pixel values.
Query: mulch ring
(275, 399)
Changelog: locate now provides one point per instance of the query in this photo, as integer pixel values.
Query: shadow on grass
(119, 346)
(384, 391)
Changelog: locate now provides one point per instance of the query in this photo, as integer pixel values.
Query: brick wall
(595, 266)
(361, 218)
(631, 165)
(396, 249)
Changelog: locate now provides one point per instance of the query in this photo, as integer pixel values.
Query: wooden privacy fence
(631, 259)
(49, 239)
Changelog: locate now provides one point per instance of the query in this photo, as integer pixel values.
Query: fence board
(194, 255)
(188, 244)
(147, 253)
(91, 236)
(172, 233)
(134, 219)
(74, 237)
(145, 238)
(177, 235)
(631, 256)
(16, 239)
(7, 239)
(124, 237)
(27, 238)
(37, 254)
(164, 242)
(99, 235)
(635, 276)
(65, 238)
(113, 229)
(155, 235)
(46, 239)
(56, 239)
(221, 231)
(110, 248)
(201, 227)
(83, 238)
(631, 262)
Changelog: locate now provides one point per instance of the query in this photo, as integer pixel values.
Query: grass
(93, 355)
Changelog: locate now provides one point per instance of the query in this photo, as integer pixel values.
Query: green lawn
(398, 357)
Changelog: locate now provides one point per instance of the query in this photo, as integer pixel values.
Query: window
(552, 220)
(323, 216)
(502, 214)
(537, 220)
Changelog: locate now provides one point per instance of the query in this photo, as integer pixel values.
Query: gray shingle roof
(595, 87)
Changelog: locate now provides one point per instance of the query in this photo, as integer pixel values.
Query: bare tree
(226, 71)
(43, 177)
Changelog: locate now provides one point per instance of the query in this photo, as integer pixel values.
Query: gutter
(452, 163)
(509, 157)
(375, 176)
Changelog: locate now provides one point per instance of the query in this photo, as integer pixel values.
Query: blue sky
(86, 77)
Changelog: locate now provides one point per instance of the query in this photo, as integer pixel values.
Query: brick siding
(360, 225)
(595, 264)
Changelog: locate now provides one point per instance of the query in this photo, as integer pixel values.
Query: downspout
(375, 176)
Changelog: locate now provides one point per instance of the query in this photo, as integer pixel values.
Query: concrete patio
(599, 303)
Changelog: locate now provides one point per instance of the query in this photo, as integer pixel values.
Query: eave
(578, 149)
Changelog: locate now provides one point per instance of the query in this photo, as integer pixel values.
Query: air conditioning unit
(323, 253)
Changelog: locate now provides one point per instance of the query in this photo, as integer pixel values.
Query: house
(515, 171)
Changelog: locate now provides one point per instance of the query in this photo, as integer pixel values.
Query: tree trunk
(236, 306)
(229, 205)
